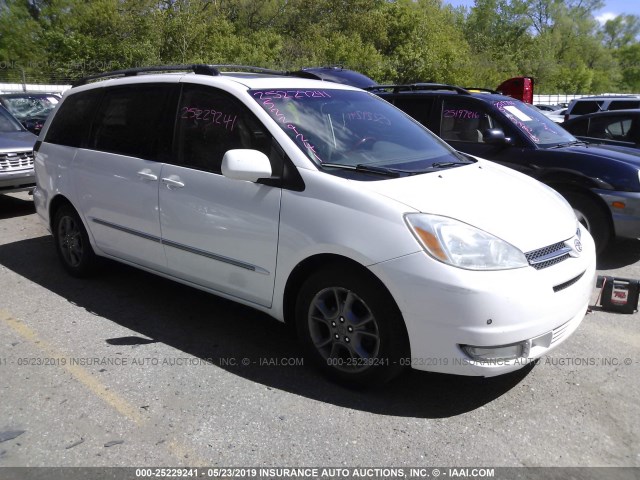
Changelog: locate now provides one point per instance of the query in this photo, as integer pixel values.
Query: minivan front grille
(16, 160)
(548, 256)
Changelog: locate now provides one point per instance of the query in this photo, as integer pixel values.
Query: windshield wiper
(394, 172)
(387, 172)
(449, 164)
(569, 144)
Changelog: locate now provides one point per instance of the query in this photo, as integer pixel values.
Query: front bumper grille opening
(568, 283)
(15, 160)
(559, 333)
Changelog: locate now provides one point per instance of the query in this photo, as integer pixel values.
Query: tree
(621, 31)
(20, 53)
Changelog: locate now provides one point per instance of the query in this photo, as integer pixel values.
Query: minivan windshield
(356, 130)
(534, 124)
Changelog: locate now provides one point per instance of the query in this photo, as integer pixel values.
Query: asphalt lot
(128, 369)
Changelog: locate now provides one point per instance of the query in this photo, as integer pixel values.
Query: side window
(463, 121)
(584, 107)
(72, 121)
(136, 121)
(210, 122)
(418, 107)
(615, 128)
(579, 127)
(624, 104)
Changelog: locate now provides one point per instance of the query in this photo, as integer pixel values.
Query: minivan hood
(17, 141)
(498, 200)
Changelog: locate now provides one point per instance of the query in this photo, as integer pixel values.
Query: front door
(218, 232)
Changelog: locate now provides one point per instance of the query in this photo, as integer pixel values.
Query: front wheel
(350, 327)
(72, 242)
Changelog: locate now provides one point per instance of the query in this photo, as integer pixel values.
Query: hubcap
(70, 240)
(343, 329)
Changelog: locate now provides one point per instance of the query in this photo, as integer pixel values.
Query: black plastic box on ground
(619, 294)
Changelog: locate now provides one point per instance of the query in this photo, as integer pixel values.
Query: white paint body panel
(233, 219)
(120, 190)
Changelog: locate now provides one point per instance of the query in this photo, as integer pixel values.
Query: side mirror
(244, 164)
(495, 136)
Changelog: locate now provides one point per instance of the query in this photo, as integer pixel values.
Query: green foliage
(629, 57)
(558, 42)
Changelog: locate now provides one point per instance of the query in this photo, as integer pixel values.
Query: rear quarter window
(72, 121)
(624, 105)
(584, 107)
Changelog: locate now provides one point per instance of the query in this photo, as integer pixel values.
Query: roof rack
(131, 72)
(482, 90)
(420, 86)
(198, 68)
(248, 68)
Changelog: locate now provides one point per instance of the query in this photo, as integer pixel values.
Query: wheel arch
(318, 262)
(564, 187)
(59, 201)
(55, 204)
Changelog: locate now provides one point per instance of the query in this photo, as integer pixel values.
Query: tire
(72, 242)
(593, 217)
(351, 328)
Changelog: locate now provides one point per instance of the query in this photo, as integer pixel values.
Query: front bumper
(626, 220)
(17, 180)
(445, 307)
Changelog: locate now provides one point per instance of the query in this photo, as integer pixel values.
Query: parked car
(602, 185)
(619, 127)
(601, 103)
(31, 109)
(321, 205)
(16, 155)
(335, 74)
(556, 116)
(548, 108)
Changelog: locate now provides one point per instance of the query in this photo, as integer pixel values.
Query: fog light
(502, 352)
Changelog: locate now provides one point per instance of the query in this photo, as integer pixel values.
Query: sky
(611, 9)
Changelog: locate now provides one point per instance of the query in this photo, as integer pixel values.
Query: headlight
(462, 245)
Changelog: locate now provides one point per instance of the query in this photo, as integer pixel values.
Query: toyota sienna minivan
(321, 205)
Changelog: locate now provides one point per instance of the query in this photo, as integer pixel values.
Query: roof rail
(130, 72)
(420, 86)
(248, 68)
(482, 90)
(198, 68)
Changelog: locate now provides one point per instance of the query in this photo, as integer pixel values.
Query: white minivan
(321, 205)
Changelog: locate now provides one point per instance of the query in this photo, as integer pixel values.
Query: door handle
(172, 182)
(147, 175)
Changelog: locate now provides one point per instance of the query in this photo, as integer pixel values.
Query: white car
(323, 206)
(556, 115)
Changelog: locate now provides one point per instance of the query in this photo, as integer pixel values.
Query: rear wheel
(72, 242)
(593, 217)
(350, 327)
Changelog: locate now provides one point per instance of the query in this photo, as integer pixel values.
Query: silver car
(16, 155)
